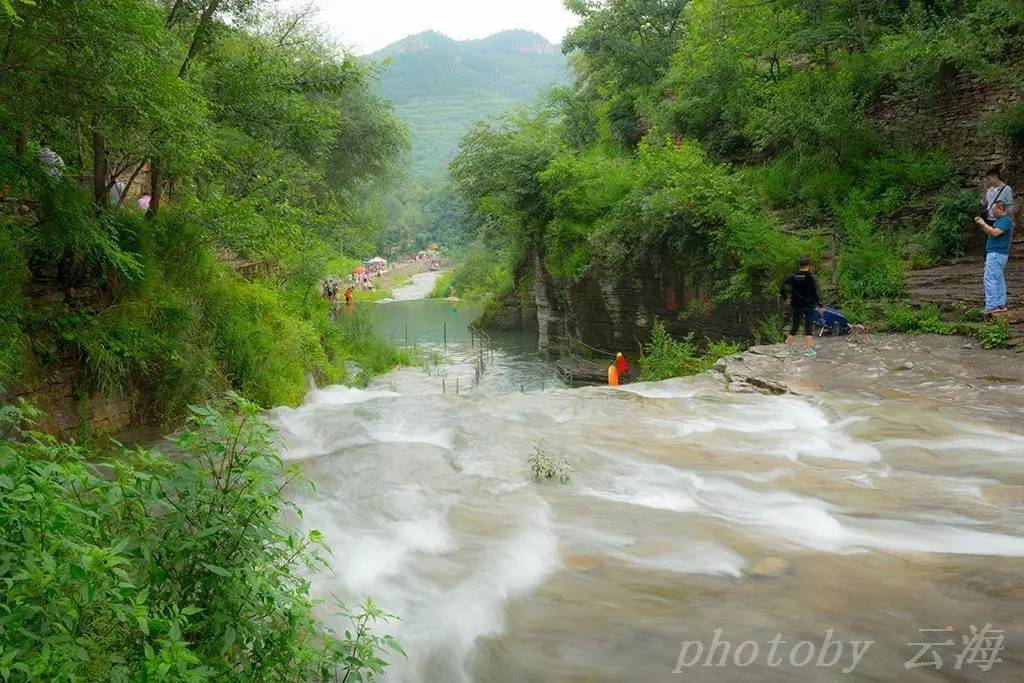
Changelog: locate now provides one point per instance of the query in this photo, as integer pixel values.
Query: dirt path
(399, 275)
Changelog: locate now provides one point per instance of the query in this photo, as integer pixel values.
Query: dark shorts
(806, 315)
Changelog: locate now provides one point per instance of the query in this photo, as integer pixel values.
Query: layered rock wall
(615, 310)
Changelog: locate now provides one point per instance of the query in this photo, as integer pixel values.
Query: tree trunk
(21, 142)
(155, 188)
(79, 152)
(100, 176)
(197, 37)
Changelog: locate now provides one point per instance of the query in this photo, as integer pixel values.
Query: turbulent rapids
(845, 506)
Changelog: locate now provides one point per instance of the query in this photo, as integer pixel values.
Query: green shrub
(663, 356)
(548, 465)
(352, 337)
(185, 327)
(973, 314)
(442, 286)
(138, 566)
(947, 233)
(1009, 122)
(14, 275)
(902, 318)
(769, 330)
(482, 273)
(868, 265)
(995, 335)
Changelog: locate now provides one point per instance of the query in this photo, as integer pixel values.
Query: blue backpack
(830, 320)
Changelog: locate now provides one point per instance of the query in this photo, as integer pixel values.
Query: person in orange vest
(622, 365)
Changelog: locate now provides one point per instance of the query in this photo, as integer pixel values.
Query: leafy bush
(185, 327)
(482, 273)
(902, 318)
(139, 566)
(995, 335)
(548, 465)
(14, 274)
(868, 265)
(442, 286)
(946, 235)
(353, 338)
(769, 330)
(663, 356)
(1009, 122)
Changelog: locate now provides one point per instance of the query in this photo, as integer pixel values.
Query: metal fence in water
(442, 353)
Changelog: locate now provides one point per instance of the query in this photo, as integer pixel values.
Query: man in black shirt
(801, 291)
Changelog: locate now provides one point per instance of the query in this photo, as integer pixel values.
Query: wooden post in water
(456, 386)
(407, 335)
(445, 332)
(443, 389)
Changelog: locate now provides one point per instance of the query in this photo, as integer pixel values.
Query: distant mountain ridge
(441, 86)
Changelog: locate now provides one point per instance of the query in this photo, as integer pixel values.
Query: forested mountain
(440, 86)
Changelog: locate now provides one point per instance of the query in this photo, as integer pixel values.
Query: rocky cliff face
(615, 310)
(59, 388)
(956, 115)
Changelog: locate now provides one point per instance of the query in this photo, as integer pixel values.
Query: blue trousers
(995, 280)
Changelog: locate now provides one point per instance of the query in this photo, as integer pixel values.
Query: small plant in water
(547, 464)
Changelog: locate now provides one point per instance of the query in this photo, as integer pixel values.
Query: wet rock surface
(926, 367)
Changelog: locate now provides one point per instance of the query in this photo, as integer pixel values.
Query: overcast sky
(368, 25)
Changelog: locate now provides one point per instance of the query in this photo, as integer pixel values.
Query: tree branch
(197, 37)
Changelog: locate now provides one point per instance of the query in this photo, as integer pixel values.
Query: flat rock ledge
(882, 366)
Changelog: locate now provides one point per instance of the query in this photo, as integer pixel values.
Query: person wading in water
(801, 291)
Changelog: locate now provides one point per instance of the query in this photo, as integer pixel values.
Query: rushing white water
(874, 522)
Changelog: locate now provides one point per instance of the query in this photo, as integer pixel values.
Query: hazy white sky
(368, 25)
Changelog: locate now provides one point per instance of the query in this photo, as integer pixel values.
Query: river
(831, 517)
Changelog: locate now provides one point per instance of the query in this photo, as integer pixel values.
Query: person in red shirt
(622, 365)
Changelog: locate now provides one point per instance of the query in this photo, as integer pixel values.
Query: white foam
(388, 551)
(442, 438)
(445, 624)
(692, 558)
(670, 388)
(800, 520)
(902, 536)
(339, 395)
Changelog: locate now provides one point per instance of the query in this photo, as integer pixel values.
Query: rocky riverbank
(942, 369)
